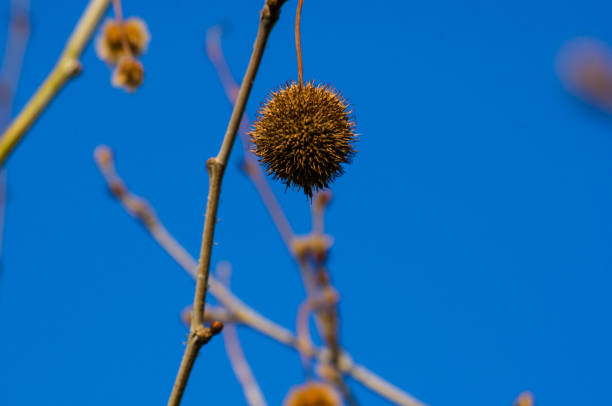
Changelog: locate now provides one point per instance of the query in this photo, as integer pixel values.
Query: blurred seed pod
(312, 394)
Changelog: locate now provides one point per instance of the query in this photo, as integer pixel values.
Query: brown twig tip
(321, 200)
(216, 327)
(271, 10)
(103, 156)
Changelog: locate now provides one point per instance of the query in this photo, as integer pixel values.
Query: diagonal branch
(238, 311)
(67, 67)
(250, 165)
(240, 365)
(199, 335)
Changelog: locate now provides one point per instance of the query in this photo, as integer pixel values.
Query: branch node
(201, 335)
(72, 67)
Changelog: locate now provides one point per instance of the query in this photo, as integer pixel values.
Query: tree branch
(67, 67)
(240, 365)
(238, 310)
(216, 169)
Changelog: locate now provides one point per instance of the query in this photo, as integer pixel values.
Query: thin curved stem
(298, 43)
(67, 67)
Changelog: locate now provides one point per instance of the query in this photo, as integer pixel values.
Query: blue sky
(473, 229)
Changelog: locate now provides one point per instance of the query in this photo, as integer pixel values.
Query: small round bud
(103, 156)
(216, 327)
(303, 135)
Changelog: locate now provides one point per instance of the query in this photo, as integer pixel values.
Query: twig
(326, 319)
(303, 334)
(240, 365)
(16, 43)
(67, 67)
(240, 311)
(140, 209)
(250, 166)
(298, 43)
(216, 169)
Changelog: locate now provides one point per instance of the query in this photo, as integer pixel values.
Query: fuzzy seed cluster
(312, 394)
(303, 135)
(119, 44)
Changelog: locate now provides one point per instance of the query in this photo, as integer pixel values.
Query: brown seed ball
(109, 45)
(137, 35)
(128, 74)
(303, 135)
(312, 394)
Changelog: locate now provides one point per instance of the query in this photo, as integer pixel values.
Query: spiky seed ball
(303, 135)
(128, 74)
(312, 394)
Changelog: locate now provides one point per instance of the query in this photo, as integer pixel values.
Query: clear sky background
(473, 232)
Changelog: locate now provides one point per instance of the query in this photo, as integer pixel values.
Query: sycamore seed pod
(128, 74)
(312, 394)
(114, 36)
(137, 35)
(303, 135)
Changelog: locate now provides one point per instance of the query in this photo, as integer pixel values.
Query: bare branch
(250, 166)
(67, 67)
(216, 169)
(240, 365)
(241, 312)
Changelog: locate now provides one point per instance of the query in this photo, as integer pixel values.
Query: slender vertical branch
(250, 166)
(67, 67)
(298, 43)
(216, 169)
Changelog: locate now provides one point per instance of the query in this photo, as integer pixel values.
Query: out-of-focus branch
(303, 334)
(327, 318)
(240, 365)
(199, 334)
(16, 43)
(250, 166)
(67, 67)
(240, 312)
(141, 210)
